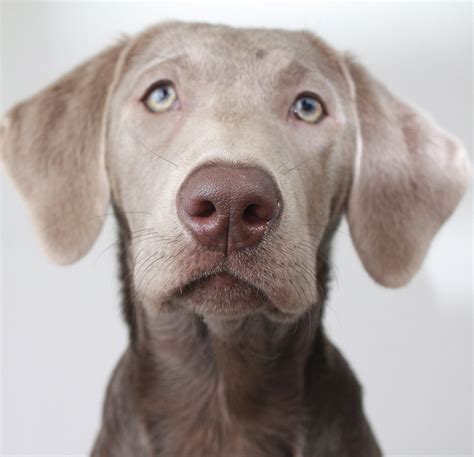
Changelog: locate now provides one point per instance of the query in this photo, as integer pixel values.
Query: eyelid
(157, 85)
(311, 95)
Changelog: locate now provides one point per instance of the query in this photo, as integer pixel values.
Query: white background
(411, 348)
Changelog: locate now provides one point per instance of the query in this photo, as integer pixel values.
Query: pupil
(161, 93)
(307, 105)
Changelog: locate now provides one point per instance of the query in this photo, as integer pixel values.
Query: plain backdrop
(411, 348)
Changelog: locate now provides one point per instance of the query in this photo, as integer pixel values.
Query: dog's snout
(227, 207)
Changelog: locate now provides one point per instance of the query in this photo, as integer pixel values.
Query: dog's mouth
(222, 293)
(216, 281)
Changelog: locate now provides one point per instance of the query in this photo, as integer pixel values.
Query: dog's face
(229, 155)
(231, 133)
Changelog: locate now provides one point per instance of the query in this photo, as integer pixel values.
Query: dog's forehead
(220, 49)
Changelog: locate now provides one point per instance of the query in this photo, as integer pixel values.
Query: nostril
(250, 215)
(202, 208)
(258, 214)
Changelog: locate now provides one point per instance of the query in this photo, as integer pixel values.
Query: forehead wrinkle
(180, 61)
(158, 45)
(293, 73)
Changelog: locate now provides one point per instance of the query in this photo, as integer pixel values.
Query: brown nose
(228, 208)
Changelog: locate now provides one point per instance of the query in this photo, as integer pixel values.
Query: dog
(229, 157)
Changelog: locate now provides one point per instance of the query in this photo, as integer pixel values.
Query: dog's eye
(308, 109)
(160, 98)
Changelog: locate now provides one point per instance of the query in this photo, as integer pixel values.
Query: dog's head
(230, 155)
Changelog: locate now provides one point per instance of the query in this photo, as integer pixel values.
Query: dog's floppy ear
(53, 149)
(409, 176)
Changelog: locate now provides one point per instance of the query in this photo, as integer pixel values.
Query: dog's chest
(210, 438)
(214, 425)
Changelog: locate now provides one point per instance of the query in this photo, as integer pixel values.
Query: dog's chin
(222, 295)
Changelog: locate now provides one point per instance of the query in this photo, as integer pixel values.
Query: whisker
(138, 140)
(296, 167)
(322, 226)
(117, 241)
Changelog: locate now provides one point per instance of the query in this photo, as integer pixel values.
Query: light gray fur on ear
(53, 149)
(409, 177)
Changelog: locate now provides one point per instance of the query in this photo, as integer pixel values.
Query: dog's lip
(221, 278)
(217, 280)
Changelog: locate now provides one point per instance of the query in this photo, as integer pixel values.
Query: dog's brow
(292, 73)
(180, 60)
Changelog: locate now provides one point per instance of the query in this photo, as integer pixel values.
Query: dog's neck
(239, 354)
(237, 357)
(222, 383)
